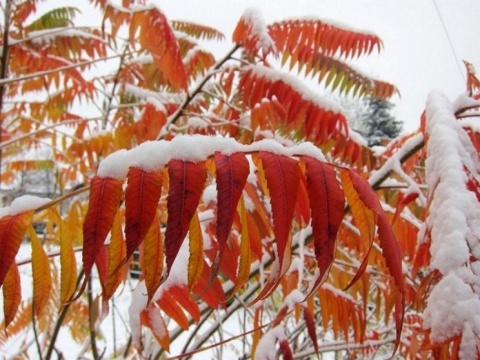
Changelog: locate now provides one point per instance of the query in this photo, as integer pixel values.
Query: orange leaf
(195, 260)
(68, 265)
(12, 230)
(158, 38)
(186, 186)
(327, 204)
(141, 200)
(42, 280)
(231, 175)
(153, 258)
(105, 196)
(12, 295)
(364, 217)
(152, 318)
(116, 254)
(169, 305)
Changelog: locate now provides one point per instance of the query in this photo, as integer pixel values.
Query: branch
(196, 91)
(4, 81)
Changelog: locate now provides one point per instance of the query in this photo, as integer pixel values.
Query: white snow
(454, 220)
(154, 155)
(266, 349)
(298, 85)
(24, 203)
(259, 30)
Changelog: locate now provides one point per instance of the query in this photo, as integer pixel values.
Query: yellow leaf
(244, 261)
(195, 260)
(153, 258)
(68, 265)
(116, 254)
(42, 281)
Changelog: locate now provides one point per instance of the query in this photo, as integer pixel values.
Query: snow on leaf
(141, 200)
(152, 318)
(327, 203)
(42, 281)
(12, 230)
(12, 295)
(186, 181)
(105, 196)
(251, 32)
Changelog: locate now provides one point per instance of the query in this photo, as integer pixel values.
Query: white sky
(417, 56)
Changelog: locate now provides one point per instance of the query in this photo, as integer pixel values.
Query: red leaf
(285, 350)
(311, 328)
(12, 230)
(283, 176)
(12, 295)
(327, 204)
(141, 199)
(404, 201)
(186, 186)
(105, 196)
(231, 174)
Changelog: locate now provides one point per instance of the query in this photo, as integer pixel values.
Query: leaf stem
(60, 320)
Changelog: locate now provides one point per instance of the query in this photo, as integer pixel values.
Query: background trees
(246, 194)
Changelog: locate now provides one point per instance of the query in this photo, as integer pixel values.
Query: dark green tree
(378, 124)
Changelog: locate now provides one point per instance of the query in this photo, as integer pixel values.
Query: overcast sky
(417, 56)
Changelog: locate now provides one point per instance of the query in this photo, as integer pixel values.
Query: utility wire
(452, 48)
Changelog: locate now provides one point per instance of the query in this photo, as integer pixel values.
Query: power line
(452, 48)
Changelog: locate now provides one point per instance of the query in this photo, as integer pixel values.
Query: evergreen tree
(378, 124)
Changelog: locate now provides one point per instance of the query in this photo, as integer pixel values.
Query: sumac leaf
(42, 279)
(153, 258)
(186, 181)
(12, 230)
(327, 203)
(12, 294)
(152, 318)
(105, 196)
(141, 200)
(231, 175)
